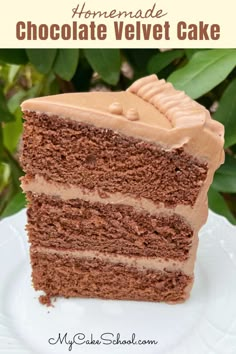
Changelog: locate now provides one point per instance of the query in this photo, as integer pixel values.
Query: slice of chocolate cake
(117, 186)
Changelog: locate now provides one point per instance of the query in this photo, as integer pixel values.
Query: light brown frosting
(141, 263)
(132, 114)
(116, 108)
(39, 185)
(98, 108)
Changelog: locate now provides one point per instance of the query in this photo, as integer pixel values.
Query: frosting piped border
(178, 108)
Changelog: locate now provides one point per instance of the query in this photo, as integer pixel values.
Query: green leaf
(5, 196)
(13, 70)
(204, 71)
(224, 183)
(190, 52)
(138, 59)
(34, 91)
(4, 175)
(13, 56)
(1, 142)
(66, 63)
(12, 132)
(14, 102)
(16, 203)
(49, 85)
(162, 60)
(42, 59)
(225, 176)
(106, 62)
(219, 205)
(13, 186)
(226, 113)
(5, 114)
(229, 166)
(16, 171)
(54, 88)
(83, 75)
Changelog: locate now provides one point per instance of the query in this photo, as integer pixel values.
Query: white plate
(205, 324)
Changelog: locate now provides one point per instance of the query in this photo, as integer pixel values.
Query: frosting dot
(132, 114)
(116, 108)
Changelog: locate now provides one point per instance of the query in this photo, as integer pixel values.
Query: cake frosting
(117, 186)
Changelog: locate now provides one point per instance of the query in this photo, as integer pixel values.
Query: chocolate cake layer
(71, 152)
(114, 228)
(69, 276)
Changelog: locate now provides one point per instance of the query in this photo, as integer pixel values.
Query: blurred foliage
(209, 76)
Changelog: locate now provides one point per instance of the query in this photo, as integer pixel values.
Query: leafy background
(209, 76)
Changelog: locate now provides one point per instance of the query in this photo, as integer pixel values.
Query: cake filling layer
(141, 263)
(70, 276)
(81, 225)
(75, 153)
(37, 185)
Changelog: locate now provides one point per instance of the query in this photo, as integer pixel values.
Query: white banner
(118, 24)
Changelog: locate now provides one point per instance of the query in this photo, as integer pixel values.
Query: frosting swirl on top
(178, 108)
